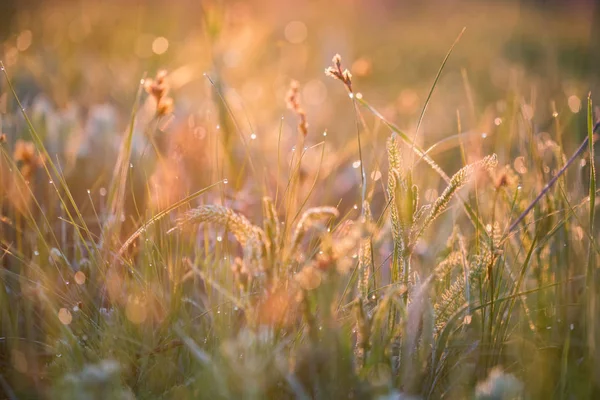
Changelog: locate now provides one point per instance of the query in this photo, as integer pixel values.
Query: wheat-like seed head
(272, 228)
(365, 256)
(393, 180)
(458, 181)
(445, 267)
(309, 219)
(240, 226)
(393, 152)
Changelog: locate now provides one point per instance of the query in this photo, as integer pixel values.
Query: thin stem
(552, 181)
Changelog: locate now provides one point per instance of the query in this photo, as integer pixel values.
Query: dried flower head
(292, 100)
(158, 89)
(2, 138)
(164, 106)
(26, 154)
(336, 72)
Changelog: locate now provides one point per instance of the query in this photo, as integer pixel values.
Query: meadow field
(353, 199)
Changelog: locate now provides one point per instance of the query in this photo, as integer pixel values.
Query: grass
(200, 255)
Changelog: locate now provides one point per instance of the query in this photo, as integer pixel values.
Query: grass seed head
(335, 71)
(292, 99)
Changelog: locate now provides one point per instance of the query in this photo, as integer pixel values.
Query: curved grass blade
(437, 78)
(160, 215)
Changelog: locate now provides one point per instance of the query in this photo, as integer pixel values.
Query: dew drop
(359, 95)
(253, 136)
(351, 95)
(130, 165)
(355, 207)
(325, 133)
(89, 191)
(142, 81)
(218, 126)
(225, 181)
(356, 164)
(51, 181)
(219, 239)
(484, 135)
(294, 148)
(555, 114)
(102, 192)
(36, 253)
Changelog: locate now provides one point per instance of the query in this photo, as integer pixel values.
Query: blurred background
(519, 76)
(77, 66)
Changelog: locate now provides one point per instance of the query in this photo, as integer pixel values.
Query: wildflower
(158, 89)
(292, 99)
(164, 106)
(336, 72)
(30, 160)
